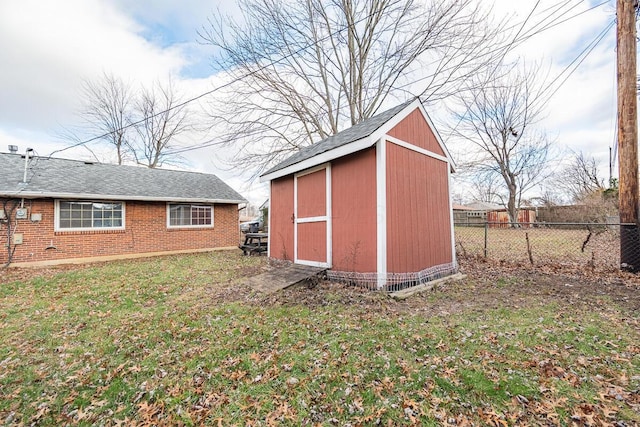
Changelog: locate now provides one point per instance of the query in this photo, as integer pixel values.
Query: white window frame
(56, 220)
(190, 226)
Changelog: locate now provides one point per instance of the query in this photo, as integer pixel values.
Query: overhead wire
(215, 89)
(578, 60)
(498, 64)
(519, 40)
(516, 41)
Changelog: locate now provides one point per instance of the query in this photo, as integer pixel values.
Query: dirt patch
(487, 286)
(574, 287)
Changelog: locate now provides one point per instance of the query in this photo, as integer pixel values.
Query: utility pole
(628, 135)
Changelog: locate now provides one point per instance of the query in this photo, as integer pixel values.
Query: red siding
(418, 217)
(281, 216)
(312, 241)
(525, 216)
(145, 232)
(312, 194)
(353, 186)
(415, 129)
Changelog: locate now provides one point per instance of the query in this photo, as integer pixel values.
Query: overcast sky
(47, 49)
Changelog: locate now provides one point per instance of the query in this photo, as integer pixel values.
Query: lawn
(180, 340)
(598, 248)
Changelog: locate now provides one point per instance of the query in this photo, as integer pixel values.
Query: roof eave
(89, 196)
(321, 158)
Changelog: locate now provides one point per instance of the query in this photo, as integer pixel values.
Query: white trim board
(270, 213)
(415, 148)
(320, 159)
(381, 211)
(454, 260)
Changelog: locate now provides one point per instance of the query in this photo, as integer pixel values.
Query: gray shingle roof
(71, 178)
(354, 133)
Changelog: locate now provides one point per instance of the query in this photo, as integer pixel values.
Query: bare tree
(141, 125)
(548, 195)
(579, 179)
(308, 68)
(107, 111)
(497, 121)
(485, 187)
(161, 118)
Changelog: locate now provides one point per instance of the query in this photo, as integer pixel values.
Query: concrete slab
(406, 293)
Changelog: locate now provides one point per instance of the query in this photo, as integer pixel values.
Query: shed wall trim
(270, 214)
(383, 130)
(437, 135)
(417, 149)
(361, 144)
(381, 211)
(454, 260)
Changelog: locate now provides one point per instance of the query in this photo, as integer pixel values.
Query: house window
(183, 215)
(90, 215)
(477, 214)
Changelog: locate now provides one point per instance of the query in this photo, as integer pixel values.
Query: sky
(49, 48)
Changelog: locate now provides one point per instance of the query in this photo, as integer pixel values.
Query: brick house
(57, 210)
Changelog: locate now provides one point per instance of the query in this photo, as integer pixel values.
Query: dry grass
(594, 248)
(181, 341)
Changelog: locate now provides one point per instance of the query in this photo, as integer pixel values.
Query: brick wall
(145, 232)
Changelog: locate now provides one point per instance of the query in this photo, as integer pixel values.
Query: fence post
(486, 231)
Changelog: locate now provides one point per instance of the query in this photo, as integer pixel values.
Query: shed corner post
(381, 212)
(269, 219)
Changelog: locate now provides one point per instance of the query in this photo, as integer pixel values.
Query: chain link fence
(562, 244)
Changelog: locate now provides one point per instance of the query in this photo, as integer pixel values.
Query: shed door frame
(324, 218)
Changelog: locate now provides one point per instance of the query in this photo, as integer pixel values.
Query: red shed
(371, 203)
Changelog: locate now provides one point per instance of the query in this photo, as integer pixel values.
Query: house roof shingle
(483, 206)
(62, 178)
(358, 131)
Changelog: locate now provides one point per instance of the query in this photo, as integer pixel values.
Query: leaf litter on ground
(180, 340)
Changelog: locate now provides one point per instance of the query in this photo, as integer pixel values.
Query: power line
(202, 95)
(475, 94)
(581, 57)
(516, 40)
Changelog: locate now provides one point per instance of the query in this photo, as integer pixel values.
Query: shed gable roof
(355, 138)
(62, 178)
